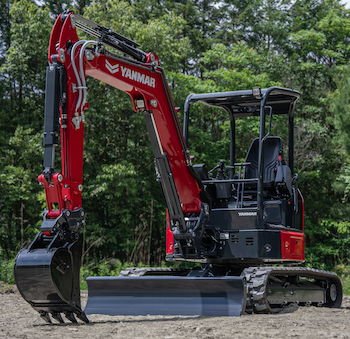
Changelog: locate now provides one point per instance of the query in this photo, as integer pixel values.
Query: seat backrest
(271, 148)
(201, 171)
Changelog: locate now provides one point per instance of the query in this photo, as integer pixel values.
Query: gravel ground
(19, 320)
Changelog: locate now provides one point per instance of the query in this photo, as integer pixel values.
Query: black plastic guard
(210, 296)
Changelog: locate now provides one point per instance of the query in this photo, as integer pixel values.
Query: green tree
(224, 68)
(204, 46)
(19, 194)
(23, 74)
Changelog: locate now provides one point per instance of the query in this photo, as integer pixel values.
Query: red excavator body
(235, 220)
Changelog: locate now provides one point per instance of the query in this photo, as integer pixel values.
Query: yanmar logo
(112, 68)
(131, 74)
(137, 76)
(247, 214)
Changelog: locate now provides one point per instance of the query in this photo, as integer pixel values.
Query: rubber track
(257, 279)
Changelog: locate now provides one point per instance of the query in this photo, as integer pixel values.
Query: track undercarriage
(269, 289)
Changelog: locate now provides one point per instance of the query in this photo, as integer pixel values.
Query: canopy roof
(244, 103)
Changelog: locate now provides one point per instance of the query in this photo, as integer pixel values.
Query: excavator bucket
(49, 282)
(166, 295)
(47, 273)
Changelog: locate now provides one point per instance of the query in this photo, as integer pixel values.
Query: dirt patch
(19, 320)
(7, 289)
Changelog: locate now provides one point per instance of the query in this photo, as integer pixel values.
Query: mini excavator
(238, 221)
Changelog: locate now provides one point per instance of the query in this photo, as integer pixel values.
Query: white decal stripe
(112, 68)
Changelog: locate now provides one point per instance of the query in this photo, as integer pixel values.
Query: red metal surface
(292, 246)
(65, 194)
(54, 37)
(293, 243)
(73, 150)
(302, 209)
(140, 81)
(127, 79)
(169, 236)
(60, 194)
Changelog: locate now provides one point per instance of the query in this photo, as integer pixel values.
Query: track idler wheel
(334, 294)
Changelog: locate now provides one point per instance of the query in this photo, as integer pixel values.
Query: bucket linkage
(47, 273)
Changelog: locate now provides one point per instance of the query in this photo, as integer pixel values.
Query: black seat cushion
(271, 149)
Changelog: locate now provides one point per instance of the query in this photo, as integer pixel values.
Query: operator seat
(277, 174)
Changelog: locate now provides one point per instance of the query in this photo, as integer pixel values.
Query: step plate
(210, 296)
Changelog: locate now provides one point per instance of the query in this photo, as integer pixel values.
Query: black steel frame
(239, 104)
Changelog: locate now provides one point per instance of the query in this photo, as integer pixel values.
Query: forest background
(204, 46)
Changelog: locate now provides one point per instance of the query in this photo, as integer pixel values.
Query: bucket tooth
(82, 316)
(57, 316)
(70, 316)
(45, 315)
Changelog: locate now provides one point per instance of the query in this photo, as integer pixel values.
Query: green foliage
(6, 271)
(344, 273)
(235, 67)
(21, 158)
(340, 105)
(113, 267)
(103, 268)
(346, 284)
(204, 46)
(25, 64)
(223, 69)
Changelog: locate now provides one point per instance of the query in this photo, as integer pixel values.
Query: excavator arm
(115, 60)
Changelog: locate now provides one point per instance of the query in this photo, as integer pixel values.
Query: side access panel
(292, 245)
(210, 296)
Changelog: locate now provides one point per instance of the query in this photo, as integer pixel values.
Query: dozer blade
(169, 295)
